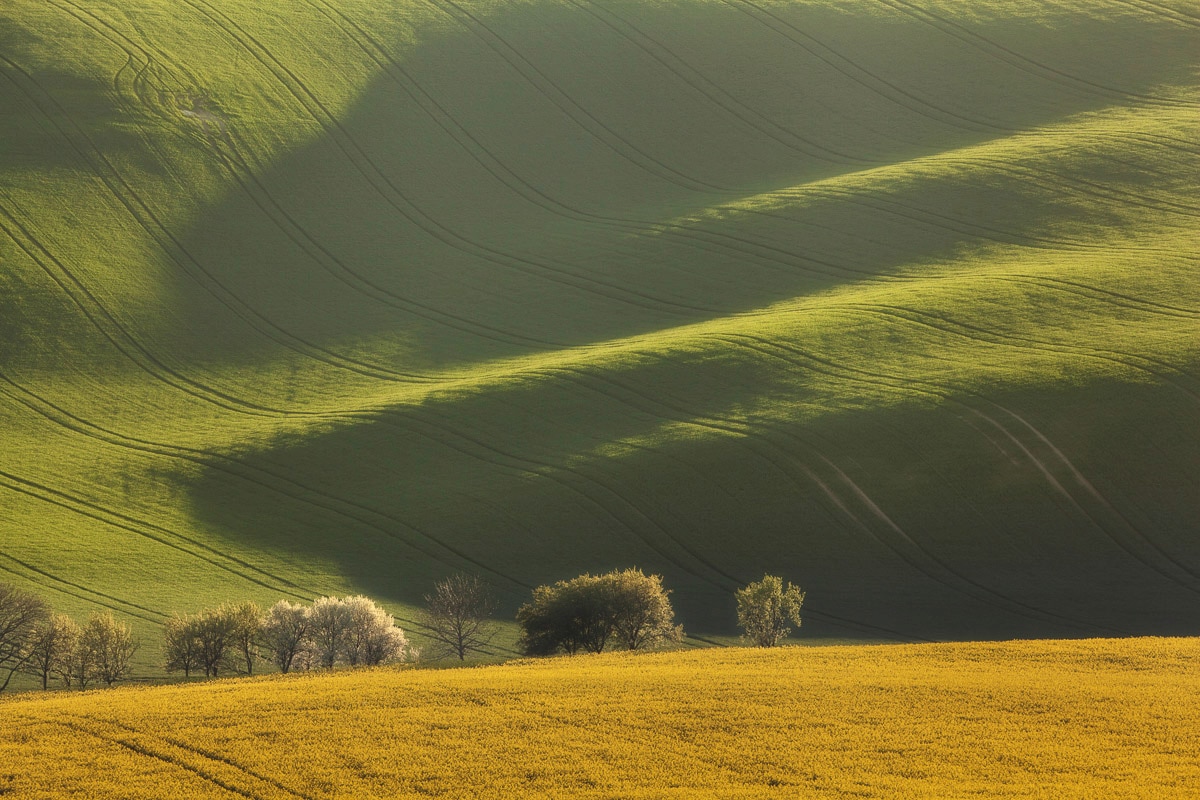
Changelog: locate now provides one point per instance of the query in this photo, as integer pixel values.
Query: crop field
(895, 298)
(1061, 719)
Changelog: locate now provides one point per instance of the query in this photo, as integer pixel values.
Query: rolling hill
(896, 299)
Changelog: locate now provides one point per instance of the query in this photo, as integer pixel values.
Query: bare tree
(285, 634)
(109, 646)
(458, 615)
(181, 645)
(52, 649)
(21, 613)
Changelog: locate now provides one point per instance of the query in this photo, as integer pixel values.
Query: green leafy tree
(108, 647)
(589, 612)
(765, 608)
(181, 646)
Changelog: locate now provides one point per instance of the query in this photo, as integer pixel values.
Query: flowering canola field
(1086, 718)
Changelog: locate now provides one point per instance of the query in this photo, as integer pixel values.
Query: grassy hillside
(1094, 718)
(897, 299)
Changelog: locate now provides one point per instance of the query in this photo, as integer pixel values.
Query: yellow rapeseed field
(1055, 719)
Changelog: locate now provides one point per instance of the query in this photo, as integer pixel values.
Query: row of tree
(333, 631)
(624, 609)
(49, 646)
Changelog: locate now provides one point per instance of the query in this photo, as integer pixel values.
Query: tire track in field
(853, 72)
(242, 172)
(146, 530)
(112, 331)
(193, 749)
(600, 501)
(173, 249)
(1164, 11)
(1023, 62)
(901, 385)
(263, 478)
(402, 204)
(777, 258)
(937, 574)
(566, 104)
(75, 588)
(703, 241)
(207, 771)
(963, 330)
(711, 91)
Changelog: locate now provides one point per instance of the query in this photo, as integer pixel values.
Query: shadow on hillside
(490, 195)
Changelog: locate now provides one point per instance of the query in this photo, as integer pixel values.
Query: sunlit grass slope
(898, 299)
(1084, 718)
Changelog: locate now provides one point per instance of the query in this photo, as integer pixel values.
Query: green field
(896, 299)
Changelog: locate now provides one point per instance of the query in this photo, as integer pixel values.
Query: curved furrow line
(1138, 302)
(249, 182)
(553, 472)
(233, 467)
(567, 105)
(246, 172)
(952, 394)
(89, 597)
(402, 204)
(1088, 487)
(685, 234)
(148, 752)
(188, 747)
(174, 249)
(1119, 196)
(714, 422)
(747, 433)
(960, 226)
(990, 596)
(528, 191)
(146, 530)
(1092, 294)
(962, 329)
(113, 331)
(571, 375)
(1178, 16)
(65, 419)
(711, 91)
(1019, 60)
(848, 69)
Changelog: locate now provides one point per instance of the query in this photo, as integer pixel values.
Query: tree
(216, 629)
(458, 614)
(372, 637)
(52, 648)
(643, 617)
(21, 613)
(182, 644)
(245, 619)
(764, 609)
(284, 631)
(109, 646)
(588, 612)
(328, 628)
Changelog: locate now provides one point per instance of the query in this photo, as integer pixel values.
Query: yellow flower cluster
(1095, 718)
